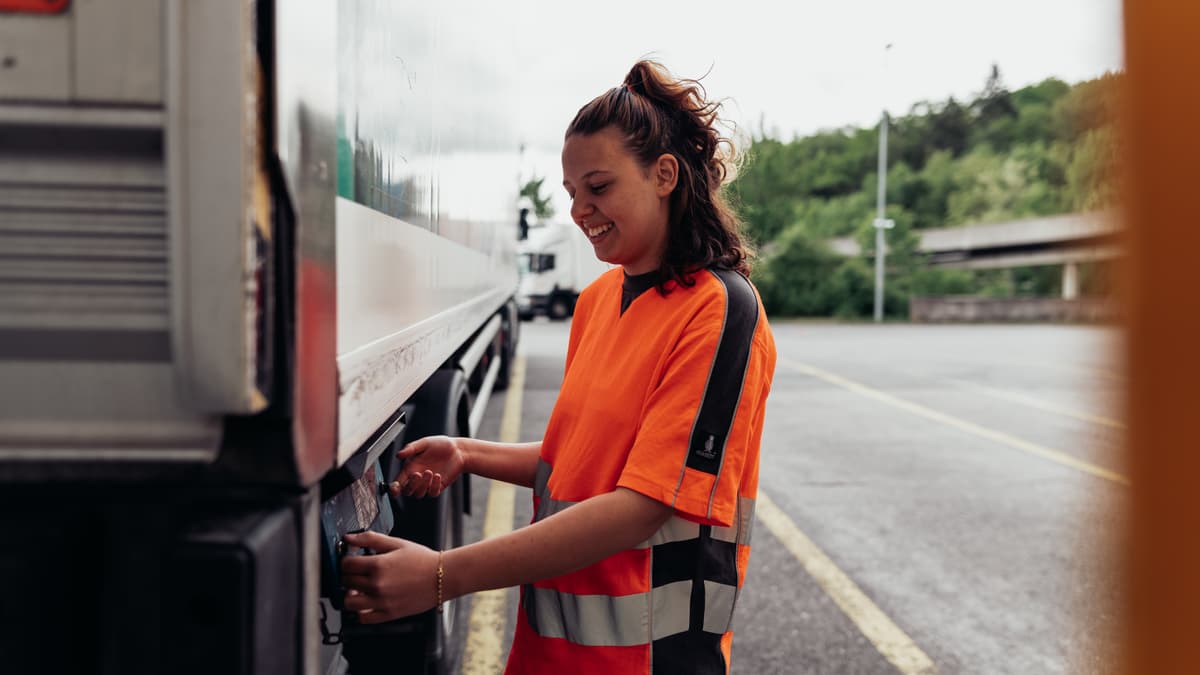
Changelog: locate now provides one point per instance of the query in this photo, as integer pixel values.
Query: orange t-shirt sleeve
(696, 436)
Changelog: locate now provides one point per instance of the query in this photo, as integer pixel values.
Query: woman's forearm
(514, 463)
(567, 541)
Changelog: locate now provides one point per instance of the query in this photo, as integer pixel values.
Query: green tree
(1091, 180)
(950, 128)
(1087, 106)
(1042, 149)
(794, 278)
(995, 114)
(543, 205)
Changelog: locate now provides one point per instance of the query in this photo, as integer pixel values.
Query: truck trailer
(248, 249)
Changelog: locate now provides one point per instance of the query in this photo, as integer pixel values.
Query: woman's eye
(597, 189)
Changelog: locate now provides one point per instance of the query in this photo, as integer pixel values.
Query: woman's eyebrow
(586, 175)
(567, 183)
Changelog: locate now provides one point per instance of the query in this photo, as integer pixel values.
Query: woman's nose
(581, 209)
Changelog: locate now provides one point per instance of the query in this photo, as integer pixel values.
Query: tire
(506, 347)
(448, 629)
(559, 307)
(430, 643)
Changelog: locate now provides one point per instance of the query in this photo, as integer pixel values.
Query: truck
(248, 250)
(557, 262)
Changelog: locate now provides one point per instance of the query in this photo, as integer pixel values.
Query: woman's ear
(666, 174)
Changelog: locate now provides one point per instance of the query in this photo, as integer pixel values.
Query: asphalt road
(964, 481)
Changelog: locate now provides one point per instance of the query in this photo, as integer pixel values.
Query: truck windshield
(536, 263)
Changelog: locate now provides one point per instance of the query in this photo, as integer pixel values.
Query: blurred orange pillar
(1161, 158)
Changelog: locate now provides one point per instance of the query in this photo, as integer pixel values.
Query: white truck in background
(556, 263)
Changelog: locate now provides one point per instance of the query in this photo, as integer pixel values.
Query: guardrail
(973, 309)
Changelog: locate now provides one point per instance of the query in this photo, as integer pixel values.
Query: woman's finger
(427, 479)
(357, 583)
(421, 484)
(410, 484)
(411, 449)
(357, 603)
(356, 569)
(374, 616)
(416, 485)
(380, 543)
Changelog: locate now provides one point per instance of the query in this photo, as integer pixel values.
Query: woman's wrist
(452, 574)
(464, 443)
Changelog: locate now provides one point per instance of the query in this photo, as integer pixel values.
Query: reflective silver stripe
(675, 529)
(592, 620)
(681, 529)
(718, 606)
(672, 609)
(547, 507)
(541, 487)
(728, 534)
(626, 620)
(541, 479)
(743, 521)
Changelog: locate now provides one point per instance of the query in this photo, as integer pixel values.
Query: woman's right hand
(431, 464)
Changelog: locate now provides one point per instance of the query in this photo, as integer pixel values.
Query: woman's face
(622, 207)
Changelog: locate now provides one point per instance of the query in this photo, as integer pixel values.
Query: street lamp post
(881, 223)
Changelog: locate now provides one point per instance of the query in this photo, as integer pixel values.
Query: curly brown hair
(657, 114)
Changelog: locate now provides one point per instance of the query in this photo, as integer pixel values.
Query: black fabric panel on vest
(693, 652)
(716, 560)
(706, 448)
(527, 607)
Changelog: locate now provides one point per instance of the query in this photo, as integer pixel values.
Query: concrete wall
(971, 309)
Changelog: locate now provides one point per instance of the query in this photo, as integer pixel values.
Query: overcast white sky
(805, 65)
(800, 66)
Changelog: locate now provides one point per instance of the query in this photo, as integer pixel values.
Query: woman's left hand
(399, 580)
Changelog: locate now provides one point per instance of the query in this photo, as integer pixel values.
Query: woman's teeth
(598, 230)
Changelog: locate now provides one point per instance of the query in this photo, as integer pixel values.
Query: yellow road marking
(1039, 404)
(1056, 456)
(892, 642)
(484, 651)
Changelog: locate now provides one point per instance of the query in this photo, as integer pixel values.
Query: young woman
(645, 480)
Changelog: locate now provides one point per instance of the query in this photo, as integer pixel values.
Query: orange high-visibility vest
(665, 398)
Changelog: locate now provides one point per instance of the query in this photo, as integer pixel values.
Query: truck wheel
(506, 347)
(443, 408)
(559, 307)
(435, 641)
(448, 632)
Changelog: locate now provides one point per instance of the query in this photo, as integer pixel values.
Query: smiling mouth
(593, 232)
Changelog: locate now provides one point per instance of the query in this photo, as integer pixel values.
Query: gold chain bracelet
(441, 574)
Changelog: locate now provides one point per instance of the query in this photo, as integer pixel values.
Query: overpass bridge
(1066, 240)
